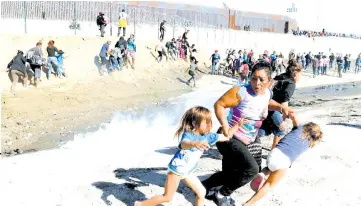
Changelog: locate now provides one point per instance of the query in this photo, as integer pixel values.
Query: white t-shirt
(123, 15)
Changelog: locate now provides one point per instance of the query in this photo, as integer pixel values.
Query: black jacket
(284, 88)
(18, 63)
(121, 43)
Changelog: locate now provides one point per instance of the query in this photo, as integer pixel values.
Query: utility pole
(110, 18)
(75, 17)
(25, 15)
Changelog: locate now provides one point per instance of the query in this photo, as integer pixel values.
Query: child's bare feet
(137, 203)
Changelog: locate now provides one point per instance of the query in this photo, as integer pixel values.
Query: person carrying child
(288, 149)
(195, 136)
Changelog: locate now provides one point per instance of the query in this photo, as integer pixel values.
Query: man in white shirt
(122, 23)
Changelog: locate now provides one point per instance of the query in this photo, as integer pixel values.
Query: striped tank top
(254, 108)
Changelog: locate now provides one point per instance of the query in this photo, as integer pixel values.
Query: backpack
(34, 59)
(116, 52)
(100, 20)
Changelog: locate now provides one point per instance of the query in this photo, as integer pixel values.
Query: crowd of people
(29, 66)
(323, 33)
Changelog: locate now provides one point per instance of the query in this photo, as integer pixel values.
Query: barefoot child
(288, 149)
(195, 138)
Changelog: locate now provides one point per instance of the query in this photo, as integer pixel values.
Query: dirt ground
(38, 117)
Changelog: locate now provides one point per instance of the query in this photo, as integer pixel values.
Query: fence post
(25, 15)
(75, 17)
(173, 27)
(135, 10)
(158, 27)
(110, 19)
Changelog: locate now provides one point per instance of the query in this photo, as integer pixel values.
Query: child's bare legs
(274, 178)
(259, 180)
(196, 185)
(170, 187)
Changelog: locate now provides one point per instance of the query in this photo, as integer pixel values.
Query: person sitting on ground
(104, 51)
(17, 69)
(132, 48)
(196, 137)
(289, 148)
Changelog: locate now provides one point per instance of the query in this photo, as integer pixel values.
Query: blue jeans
(60, 69)
(357, 68)
(50, 67)
(214, 64)
(324, 70)
(272, 125)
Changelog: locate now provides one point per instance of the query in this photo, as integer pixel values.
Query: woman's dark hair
(262, 65)
(20, 52)
(293, 67)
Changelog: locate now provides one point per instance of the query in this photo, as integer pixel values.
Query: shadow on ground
(357, 126)
(134, 178)
(211, 153)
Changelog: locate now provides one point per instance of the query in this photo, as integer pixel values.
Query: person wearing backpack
(17, 69)
(101, 23)
(283, 89)
(35, 58)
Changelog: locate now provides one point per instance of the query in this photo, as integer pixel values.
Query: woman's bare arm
(230, 99)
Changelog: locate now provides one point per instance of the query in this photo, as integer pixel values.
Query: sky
(332, 15)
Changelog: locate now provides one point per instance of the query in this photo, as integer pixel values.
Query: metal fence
(88, 10)
(176, 15)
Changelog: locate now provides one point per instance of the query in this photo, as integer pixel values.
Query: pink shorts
(131, 53)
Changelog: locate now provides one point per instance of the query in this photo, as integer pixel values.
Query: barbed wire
(87, 11)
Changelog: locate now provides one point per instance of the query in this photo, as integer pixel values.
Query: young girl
(192, 72)
(195, 138)
(288, 149)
